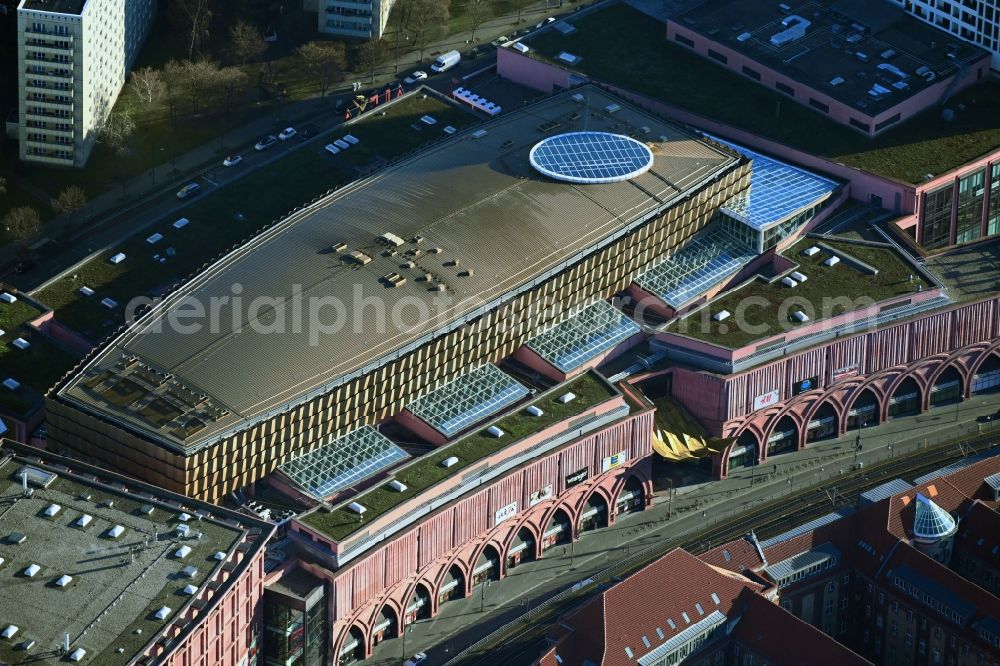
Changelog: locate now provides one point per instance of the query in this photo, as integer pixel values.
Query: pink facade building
(581, 473)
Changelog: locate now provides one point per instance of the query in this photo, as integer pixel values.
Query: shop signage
(579, 476)
(616, 460)
(807, 384)
(846, 371)
(540, 495)
(505, 513)
(765, 400)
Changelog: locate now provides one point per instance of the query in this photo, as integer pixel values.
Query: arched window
(823, 424)
(947, 388)
(784, 437)
(595, 513)
(488, 566)
(522, 548)
(453, 585)
(559, 530)
(864, 411)
(905, 400)
(353, 649)
(745, 452)
(419, 605)
(386, 626)
(631, 499)
(987, 378)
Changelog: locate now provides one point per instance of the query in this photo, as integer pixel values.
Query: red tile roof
(742, 555)
(785, 640)
(979, 534)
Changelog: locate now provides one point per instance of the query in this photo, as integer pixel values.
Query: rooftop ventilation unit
(64, 580)
(722, 315)
(800, 316)
(339, 247)
(534, 411)
(360, 257)
(86, 291)
(116, 531)
(495, 431)
(479, 134)
(578, 98)
(9, 632)
(397, 485)
(77, 654)
(521, 48)
(394, 280)
(83, 520)
(742, 37)
(12, 383)
(220, 555)
(810, 251)
(190, 571)
(183, 530)
(449, 461)
(52, 509)
(15, 538)
(31, 570)
(797, 276)
(356, 508)
(182, 552)
(8, 298)
(837, 81)
(567, 397)
(832, 261)
(163, 613)
(190, 590)
(795, 29)
(789, 282)
(390, 239)
(612, 108)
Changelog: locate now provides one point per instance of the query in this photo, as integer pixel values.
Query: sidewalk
(115, 206)
(489, 608)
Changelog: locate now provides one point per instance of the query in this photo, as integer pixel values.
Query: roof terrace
(621, 46)
(590, 390)
(861, 275)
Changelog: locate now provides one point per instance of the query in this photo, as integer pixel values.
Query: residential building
(73, 59)
(363, 19)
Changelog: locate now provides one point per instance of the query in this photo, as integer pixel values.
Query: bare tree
(427, 21)
(115, 132)
(147, 84)
(401, 11)
(194, 17)
(246, 44)
(22, 223)
(479, 11)
(326, 61)
(371, 54)
(69, 201)
(230, 82)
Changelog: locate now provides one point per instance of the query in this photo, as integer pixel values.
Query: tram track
(522, 640)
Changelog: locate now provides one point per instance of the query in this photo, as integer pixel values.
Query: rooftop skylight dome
(591, 157)
(931, 521)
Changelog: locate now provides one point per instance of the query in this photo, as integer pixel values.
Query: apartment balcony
(38, 55)
(46, 117)
(52, 104)
(53, 48)
(49, 89)
(49, 158)
(52, 76)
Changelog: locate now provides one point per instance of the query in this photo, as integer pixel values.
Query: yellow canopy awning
(679, 437)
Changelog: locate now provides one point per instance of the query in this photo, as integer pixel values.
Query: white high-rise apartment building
(976, 21)
(352, 18)
(73, 58)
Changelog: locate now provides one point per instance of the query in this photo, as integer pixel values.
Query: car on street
(416, 659)
(188, 190)
(416, 76)
(232, 160)
(266, 142)
(500, 41)
(287, 133)
(545, 22)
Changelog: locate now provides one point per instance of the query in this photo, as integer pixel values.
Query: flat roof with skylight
(101, 585)
(583, 336)
(476, 222)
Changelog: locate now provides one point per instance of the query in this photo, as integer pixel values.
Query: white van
(446, 61)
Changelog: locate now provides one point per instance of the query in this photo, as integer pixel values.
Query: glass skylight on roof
(591, 157)
(344, 461)
(464, 401)
(695, 268)
(930, 520)
(585, 335)
(777, 190)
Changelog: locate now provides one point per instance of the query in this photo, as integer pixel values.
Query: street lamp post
(857, 441)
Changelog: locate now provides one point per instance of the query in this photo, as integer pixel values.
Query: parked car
(416, 659)
(545, 22)
(232, 160)
(266, 142)
(418, 75)
(287, 133)
(500, 41)
(446, 61)
(188, 190)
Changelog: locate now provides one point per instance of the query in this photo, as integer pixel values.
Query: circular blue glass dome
(591, 157)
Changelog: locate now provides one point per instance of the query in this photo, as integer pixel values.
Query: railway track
(523, 639)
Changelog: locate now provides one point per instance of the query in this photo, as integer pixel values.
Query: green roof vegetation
(622, 46)
(761, 309)
(36, 368)
(233, 214)
(427, 471)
